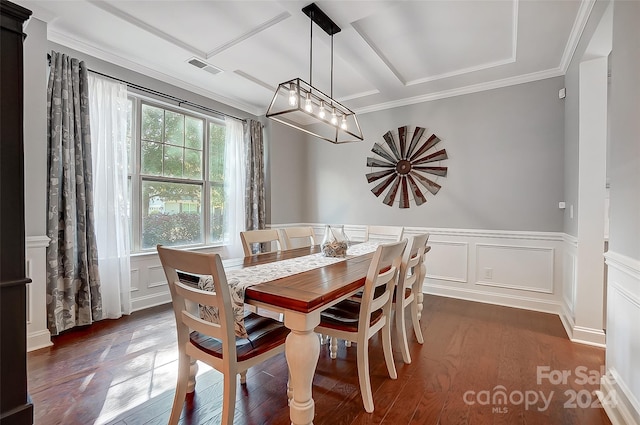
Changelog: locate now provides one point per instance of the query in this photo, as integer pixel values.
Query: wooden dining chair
(359, 321)
(298, 237)
(214, 343)
(384, 233)
(261, 237)
(408, 291)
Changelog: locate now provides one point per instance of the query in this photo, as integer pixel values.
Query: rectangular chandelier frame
(299, 105)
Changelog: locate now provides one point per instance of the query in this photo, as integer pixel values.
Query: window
(176, 176)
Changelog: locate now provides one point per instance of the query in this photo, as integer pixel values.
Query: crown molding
(586, 6)
(89, 49)
(474, 88)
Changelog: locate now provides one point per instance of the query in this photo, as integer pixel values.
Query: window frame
(136, 178)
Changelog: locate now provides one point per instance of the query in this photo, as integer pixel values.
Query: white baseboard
(580, 334)
(522, 302)
(147, 301)
(567, 319)
(616, 400)
(589, 336)
(37, 340)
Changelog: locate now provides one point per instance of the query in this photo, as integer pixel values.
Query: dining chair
(384, 233)
(263, 236)
(298, 237)
(409, 288)
(359, 321)
(214, 343)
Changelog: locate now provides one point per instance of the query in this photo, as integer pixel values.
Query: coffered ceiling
(389, 53)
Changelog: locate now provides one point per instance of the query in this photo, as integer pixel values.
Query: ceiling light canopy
(298, 104)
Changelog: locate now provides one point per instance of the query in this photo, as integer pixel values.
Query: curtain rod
(160, 94)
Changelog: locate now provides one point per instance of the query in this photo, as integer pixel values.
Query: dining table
(301, 297)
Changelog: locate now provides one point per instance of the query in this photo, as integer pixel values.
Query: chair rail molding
(38, 335)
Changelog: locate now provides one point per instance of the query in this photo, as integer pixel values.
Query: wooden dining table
(301, 298)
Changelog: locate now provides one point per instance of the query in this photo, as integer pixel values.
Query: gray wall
(624, 173)
(35, 127)
(286, 173)
(505, 164)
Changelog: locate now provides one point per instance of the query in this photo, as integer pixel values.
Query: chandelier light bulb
(307, 103)
(293, 98)
(343, 124)
(334, 117)
(322, 113)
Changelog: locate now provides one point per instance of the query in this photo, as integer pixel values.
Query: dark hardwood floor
(123, 372)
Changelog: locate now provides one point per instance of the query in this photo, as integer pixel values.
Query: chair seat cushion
(344, 316)
(264, 334)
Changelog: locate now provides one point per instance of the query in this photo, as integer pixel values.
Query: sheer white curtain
(108, 107)
(234, 186)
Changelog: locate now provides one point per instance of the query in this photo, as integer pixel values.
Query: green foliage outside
(171, 229)
(172, 145)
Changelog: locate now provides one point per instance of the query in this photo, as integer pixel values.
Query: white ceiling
(389, 53)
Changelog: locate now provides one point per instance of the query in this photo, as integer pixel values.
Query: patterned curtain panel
(73, 282)
(254, 192)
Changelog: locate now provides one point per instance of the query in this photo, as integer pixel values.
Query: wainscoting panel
(447, 261)
(135, 280)
(148, 283)
(516, 267)
(569, 283)
(622, 380)
(38, 335)
(156, 276)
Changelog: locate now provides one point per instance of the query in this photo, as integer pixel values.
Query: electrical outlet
(488, 273)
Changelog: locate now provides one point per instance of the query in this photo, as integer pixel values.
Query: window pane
(152, 123)
(172, 161)
(194, 130)
(171, 214)
(174, 128)
(216, 213)
(192, 164)
(216, 152)
(151, 161)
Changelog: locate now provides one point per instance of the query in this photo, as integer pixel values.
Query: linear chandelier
(300, 105)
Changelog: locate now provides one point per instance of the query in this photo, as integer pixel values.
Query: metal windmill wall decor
(406, 166)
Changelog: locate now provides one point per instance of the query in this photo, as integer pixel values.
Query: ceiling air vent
(199, 63)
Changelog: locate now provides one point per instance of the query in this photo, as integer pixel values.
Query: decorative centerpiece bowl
(335, 241)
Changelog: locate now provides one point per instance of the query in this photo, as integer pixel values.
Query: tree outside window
(176, 194)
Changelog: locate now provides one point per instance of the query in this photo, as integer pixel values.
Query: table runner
(240, 279)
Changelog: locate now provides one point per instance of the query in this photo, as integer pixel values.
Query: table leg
(302, 351)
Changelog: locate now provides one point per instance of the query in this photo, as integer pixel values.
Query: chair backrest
(265, 236)
(187, 297)
(297, 237)
(383, 271)
(384, 233)
(412, 260)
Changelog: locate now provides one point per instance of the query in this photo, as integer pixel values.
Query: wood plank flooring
(123, 372)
